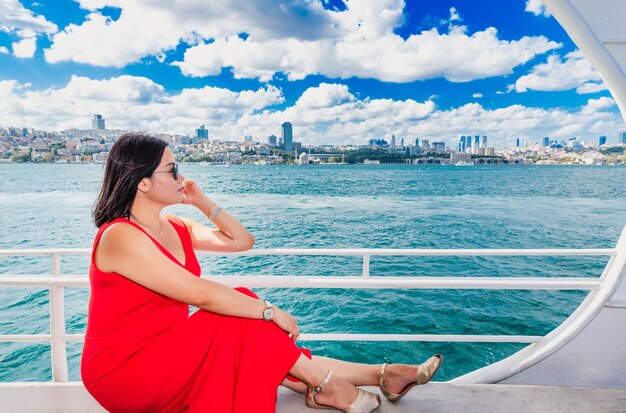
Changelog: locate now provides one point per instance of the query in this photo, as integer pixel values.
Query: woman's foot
(340, 394)
(397, 376)
(397, 379)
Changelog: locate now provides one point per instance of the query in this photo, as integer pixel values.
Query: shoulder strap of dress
(176, 221)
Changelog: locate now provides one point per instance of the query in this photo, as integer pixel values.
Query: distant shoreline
(4, 162)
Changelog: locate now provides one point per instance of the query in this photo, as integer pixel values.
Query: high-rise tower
(287, 131)
(97, 123)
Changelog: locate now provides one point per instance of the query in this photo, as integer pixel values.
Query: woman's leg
(397, 376)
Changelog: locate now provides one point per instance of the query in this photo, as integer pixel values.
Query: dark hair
(134, 156)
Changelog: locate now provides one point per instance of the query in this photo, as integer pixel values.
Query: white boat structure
(463, 163)
(579, 366)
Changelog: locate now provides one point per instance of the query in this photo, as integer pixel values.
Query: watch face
(268, 314)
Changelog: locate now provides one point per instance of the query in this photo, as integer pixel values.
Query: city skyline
(337, 70)
(286, 142)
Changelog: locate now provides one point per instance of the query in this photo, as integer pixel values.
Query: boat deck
(432, 398)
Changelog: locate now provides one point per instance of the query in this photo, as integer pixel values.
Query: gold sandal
(425, 372)
(365, 401)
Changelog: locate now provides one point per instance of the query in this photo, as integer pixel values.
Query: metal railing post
(57, 325)
(366, 265)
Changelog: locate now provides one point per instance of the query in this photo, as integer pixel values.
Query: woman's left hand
(287, 323)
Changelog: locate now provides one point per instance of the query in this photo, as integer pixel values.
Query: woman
(143, 352)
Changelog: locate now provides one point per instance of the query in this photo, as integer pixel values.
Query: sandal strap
(382, 375)
(320, 387)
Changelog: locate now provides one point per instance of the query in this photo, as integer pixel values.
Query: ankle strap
(323, 384)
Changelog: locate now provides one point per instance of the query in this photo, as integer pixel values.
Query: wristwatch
(268, 313)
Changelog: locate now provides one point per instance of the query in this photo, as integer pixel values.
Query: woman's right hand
(286, 322)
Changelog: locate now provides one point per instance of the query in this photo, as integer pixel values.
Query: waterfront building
(602, 140)
(304, 159)
(271, 140)
(97, 123)
(460, 157)
(287, 131)
(202, 133)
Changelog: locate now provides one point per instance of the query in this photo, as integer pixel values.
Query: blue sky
(342, 72)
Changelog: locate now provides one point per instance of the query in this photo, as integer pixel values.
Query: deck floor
(431, 398)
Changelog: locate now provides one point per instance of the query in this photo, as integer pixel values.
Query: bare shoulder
(119, 234)
(118, 238)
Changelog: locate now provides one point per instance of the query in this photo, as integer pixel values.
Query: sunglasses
(173, 171)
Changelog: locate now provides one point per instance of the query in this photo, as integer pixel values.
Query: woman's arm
(230, 235)
(127, 251)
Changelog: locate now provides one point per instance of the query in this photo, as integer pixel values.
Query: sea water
(342, 206)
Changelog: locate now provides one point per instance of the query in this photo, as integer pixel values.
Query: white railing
(57, 282)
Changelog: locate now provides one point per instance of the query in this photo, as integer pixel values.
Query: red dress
(144, 353)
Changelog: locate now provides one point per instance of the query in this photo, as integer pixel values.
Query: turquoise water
(395, 206)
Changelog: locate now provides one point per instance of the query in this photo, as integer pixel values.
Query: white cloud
(595, 105)
(454, 15)
(591, 87)
(4, 50)
(129, 38)
(298, 38)
(15, 18)
(325, 95)
(537, 8)
(25, 48)
(555, 74)
(477, 95)
(129, 102)
(328, 113)
(101, 41)
(457, 56)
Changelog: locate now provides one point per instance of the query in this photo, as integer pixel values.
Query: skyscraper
(202, 132)
(417, 142)
(462, 144)
(623, 140)
(476, 142)
(287, 130)
(468, 141)
(271, 140)
(517, 142)
(393, 141)
(97, 123)
(484, 144)
(602, 140)
(546, 141)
